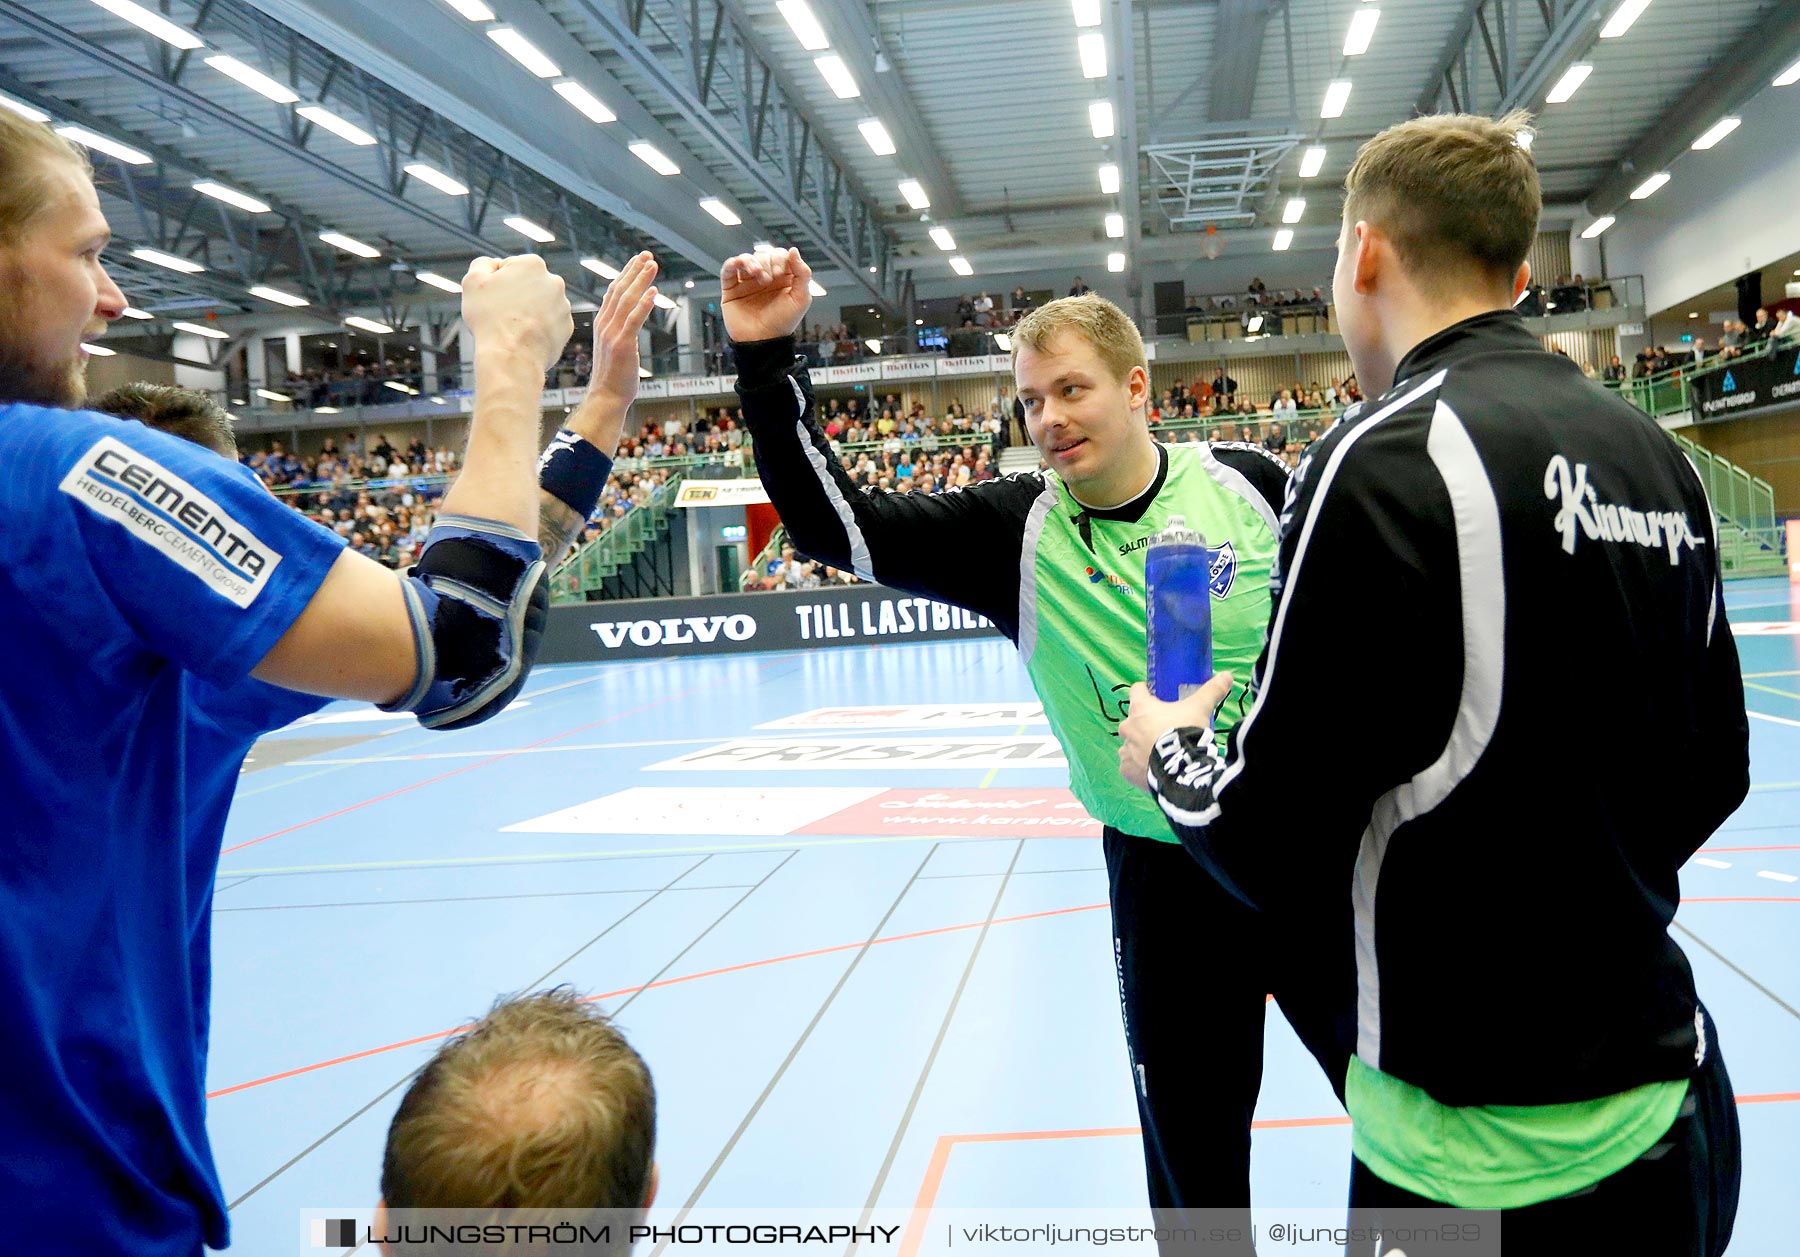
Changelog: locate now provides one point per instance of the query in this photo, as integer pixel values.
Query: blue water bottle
(1177, 572)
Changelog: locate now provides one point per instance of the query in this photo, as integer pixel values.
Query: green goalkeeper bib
(1082, 615)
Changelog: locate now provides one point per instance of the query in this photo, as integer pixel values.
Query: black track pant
(1677, 1200)
(1195, 967)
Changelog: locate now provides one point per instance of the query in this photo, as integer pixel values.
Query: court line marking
(1787, 847)
(637, 853)
(532, 749)
(666, 982)
(1757, 676)
(395, 1086)
(427, 735)
(994, 771)
(542, 894)
(494, 758)
(912, 1103)
(1725, 960)
(1777, 877)
(793, 1052)
(1779, 720)
(926, 1200)
(1770, 689)
(1710, 863)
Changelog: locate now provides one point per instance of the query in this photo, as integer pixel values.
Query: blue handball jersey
(141, 578)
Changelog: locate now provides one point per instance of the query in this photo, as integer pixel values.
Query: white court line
(1711, 863)
(1777, 877)
(1780, 720)
(1755, 606)
(489, 754)
(560, 856)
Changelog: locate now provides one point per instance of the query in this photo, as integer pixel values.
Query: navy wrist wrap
(573, 471)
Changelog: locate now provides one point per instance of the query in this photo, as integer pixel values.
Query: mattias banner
(1749, 385)
(843, 615)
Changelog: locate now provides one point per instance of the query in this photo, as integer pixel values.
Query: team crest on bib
(1221, 568)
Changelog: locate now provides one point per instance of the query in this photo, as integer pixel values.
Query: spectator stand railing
(583, 575)
(1668, 392)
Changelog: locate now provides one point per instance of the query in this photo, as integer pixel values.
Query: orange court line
(631, 990)
(940, 1152)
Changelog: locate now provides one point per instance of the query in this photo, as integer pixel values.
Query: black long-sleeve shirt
(1499, 708)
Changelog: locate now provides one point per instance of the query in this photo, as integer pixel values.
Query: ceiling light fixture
(1283, 239)
(837, 74)
(1569, 83)
(438, 281)
(1295, 207)
(349, 244)
(1649, 187)
(97, 351)
(584, 100)
(1622, 18)
(877, 135)
(253, 79)
(530, 230)
(340, 127)
(654, 158)
(1599, 225)
(1109, 179)
(1362, 31)
(1093, 55)
(1100, 119)
(805, 25)
(525, 52)
(100, 144)
(961, 266)
(601, 267)
(132, 312)
(200, 329)
(436, 178)
(941, 237)
(914, 192)
(231, 196)
(1087, 12)
(1718, 131)
(1115, 225)
(269, 394)
(155, 23)
(719, 210)
(368, 325)
(1115, 261)
(169, 260)
(474, 10)
(1336, 97)
(279, 297)
(1312, 161)
(28, 112)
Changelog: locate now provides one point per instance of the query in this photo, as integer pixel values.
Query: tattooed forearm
(558, 526)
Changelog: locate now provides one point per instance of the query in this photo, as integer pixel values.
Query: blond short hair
(542, 1104)
(27, 152)
(1096, 320)
(1455, 193)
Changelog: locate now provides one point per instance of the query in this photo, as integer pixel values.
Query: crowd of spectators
(1736, 339)
(358, 384)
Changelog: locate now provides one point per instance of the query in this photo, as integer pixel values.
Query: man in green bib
(1055, 558)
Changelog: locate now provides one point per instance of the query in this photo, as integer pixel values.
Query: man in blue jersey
(138, 574)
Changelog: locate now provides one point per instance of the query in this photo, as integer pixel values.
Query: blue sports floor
(866, 955)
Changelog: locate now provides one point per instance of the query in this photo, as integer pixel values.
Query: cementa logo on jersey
(160, 509)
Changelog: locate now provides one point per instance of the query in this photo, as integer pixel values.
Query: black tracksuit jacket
(1499, 708)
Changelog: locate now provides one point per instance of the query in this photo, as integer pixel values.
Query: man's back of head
(182, 412)
(542, 1104)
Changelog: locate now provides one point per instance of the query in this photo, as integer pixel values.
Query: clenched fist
(764, 295)
(515, 305)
